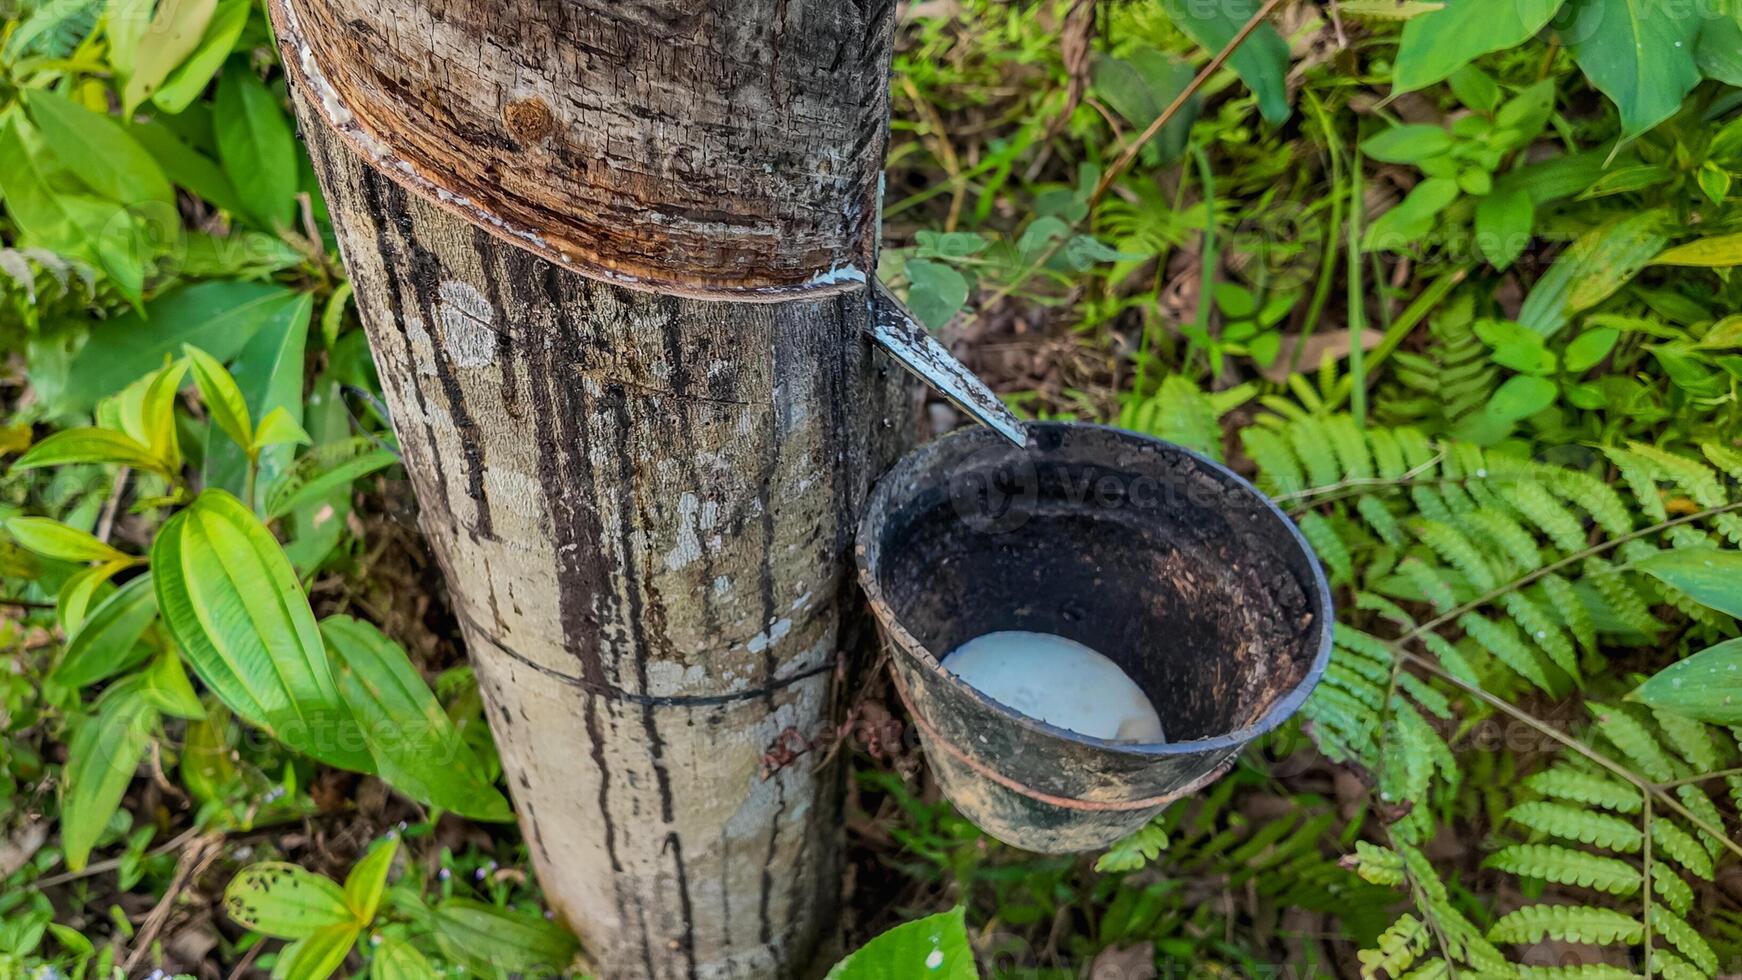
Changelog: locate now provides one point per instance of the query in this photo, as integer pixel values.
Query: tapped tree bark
(611, 256)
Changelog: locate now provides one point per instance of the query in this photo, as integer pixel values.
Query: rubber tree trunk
(611, 256)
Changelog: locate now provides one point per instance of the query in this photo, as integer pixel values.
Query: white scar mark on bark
(467, 325)
(422, 347)
(693, 517)
(771, 636)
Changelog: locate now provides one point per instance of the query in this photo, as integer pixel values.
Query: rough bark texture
(643, 504)
(643, 508)
(703, 147)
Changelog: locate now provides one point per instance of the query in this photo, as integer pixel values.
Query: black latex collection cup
(1170, 564)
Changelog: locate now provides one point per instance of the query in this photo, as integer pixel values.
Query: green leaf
(1139, 88)
(284, 901)
(1438, 43)
(935, 947)
(48, 215)
(278, 429)
(101, 758)
(232, 601)
(1712, 577)
(99, 150)
(1520, 397)
(1261, 62)
(1504, 219)
(224, 401)
(88, 445)
(174, 33)
(416, 748)
(316, 956)
(1412, 218)
(52, 539)
(1589, 348)
(396, 959)
(186, 166)
(217, 317)
(189, 80)
(125, 23)
(79, 589)
(368, 879)
(1407, 144)
(323, 470)
(256, 146)
(1640, 54)
(107, 641)
(1719, 50)
(167, 687)
(935, 291)
(269, 372)
(1600, 262)
(1711, 252)
(492, 941)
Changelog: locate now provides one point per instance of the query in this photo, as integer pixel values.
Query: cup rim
(1278, 712)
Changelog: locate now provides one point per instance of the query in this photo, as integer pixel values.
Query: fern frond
(1566, 923)
(1690, 476)
(1690, 739)
(1135, 850)
(1548, 514)
(1669, 888)
(1641, 478)
(1563, 782)
(1598, 498)
(1684, 938)
(1279, 471)
(1430, 583)
(1568, 866)
(1505, 643)
(1396, 949)
(1313, 446)
(1670, 839)
(1623, 600)
(1635, 741)
(1458, 550)
(1573, 823)
(1542, 630)
(1573, 613)
(1672, 967)
(1701, 806)
(1328, 545)
(1375, 864)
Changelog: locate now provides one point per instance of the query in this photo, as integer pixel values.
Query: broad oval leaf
(255, 145)
(191, 77)
(1638, 53)
(52, 539)
(1437, 43)
(317, 955)
(935, 947)
(219, 317)
(224, 401)
(1261, 60)
(1713, 577)
(88, 445)
(167, 687)
(416, 748)
(75, 597)
(285, 901)
(107, 641)
(173, 34)
(1711, 252)
(368, 879)
(491, 941)
(233, 603)
(104, 752)
(99, 150)
(1521, 396)
(1600, 262)
(396, 959)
